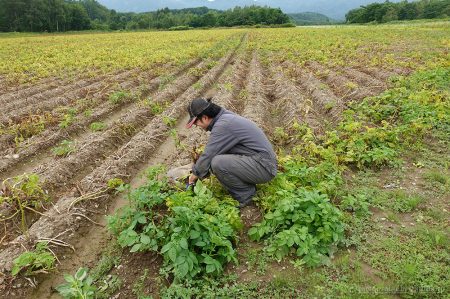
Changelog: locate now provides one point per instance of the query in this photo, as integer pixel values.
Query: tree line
(67, 15)
(388, 11)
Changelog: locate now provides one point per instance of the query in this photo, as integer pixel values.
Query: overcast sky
(332, 8)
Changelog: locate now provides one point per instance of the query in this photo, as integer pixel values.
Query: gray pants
(239, 175)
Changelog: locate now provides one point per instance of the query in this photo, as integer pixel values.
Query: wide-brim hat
(195, 108)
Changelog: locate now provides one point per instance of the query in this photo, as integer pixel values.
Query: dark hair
(211, 111)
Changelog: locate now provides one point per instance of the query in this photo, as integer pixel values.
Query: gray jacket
(234, 134)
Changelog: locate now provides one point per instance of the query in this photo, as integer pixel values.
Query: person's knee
(217, 164)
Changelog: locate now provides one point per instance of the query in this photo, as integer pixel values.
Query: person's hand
(192, 179)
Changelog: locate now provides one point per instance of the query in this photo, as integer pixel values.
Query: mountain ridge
(333, 9)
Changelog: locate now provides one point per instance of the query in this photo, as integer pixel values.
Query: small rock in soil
(390, 186)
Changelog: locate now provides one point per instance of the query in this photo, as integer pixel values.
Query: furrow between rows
(324, 100)
(293, 103)
(30, 89)
(375, 85)
(256, 105)
(53, 135)
(380, 74)
(63, 95)
(340, 85)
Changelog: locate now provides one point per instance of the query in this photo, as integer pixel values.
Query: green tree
(391, 14)
(79, 18)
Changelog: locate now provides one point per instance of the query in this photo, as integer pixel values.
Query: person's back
(249, 138)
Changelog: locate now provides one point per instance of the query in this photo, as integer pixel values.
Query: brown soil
(341, 86)
(257, 104)
(292, 104)
(30, 89)
(380, 74)
(375, 85)
(327, 103)
(64, 95)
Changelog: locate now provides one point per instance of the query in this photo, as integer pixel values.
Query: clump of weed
(257, 261)
(119, 97)
(228, 86)
(197, 86)
(436, 176)
(68, 118)
(196, 71)
(64, 149)
(176, 138)
(351, 85)
(39, 260)
(77, 286)
(398, 200)
(127, 129)
(139, 285)
(88, 112)
(169, 121)
(165, 80)
(23, 192)
(29, 126)
(97, 126)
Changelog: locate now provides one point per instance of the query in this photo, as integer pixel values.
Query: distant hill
(311, 18)
(335, 9)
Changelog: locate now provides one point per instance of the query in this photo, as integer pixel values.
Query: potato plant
(193, 230)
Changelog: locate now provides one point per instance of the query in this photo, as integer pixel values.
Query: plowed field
(116, 117)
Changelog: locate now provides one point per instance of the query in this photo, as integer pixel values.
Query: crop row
(366, 48)
(31, 58)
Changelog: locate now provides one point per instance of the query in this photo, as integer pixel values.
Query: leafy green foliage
(357, 203)
(302, 221)
(169, 121)
(397, 200)
(374, 132)
(194, 235)
(119, 97)
(23, 191)
(33, 262)
(117, 184)
(68, 118)
(388, 11)
(28, 126)
(97, 126)
(78, 286)
(231, 287)
(202, 230)
(65, 148)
